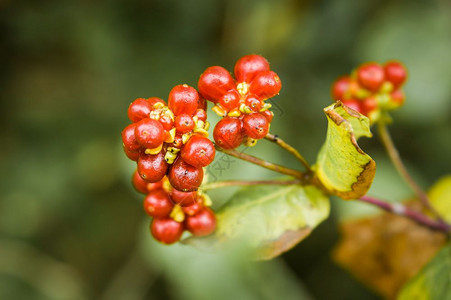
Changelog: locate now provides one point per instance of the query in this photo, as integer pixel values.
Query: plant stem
(264, 163)
(275, 139)
(227, 183)
(402, 210)
(402, 170)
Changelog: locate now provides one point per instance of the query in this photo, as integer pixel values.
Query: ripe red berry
(397, 97)
(230, 99)
(133, 155)
(185, 177)
(215, 82)
(198, 151)
(138, 183)
(129, 139)
(201, 224)
(265, 85)
(228, 133)
(340, 88)
(183, 99)
(368, 105)
(155, 185)
(354, 104)
(247, 67)
(166, 230)
(255, 125)
(396, 73)
(158, 204)
(155, 100)
(167, 122)
(253, 102)
(268, 115)
(193, 209)
(183, 198)
(184, 123)
(370, 76)
(139, 109)
(149, 133)
(152, 167)
(201, 114)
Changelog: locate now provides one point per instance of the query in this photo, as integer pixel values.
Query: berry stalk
(402, 170)
(263, 163)
(402, 210)
(227, 183)
(275, 139)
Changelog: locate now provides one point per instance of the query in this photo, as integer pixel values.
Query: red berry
(155, 100)
(129, 139)
(139, 109)
(268, 115)
(184, 123)
(166, 230)
(228, 133)
(215, 82)
(370, 76)
(230, 100)
(398, 97)
(255, 125)
(183, 198)
(247, 67)
(201, 224)
(396, 73)
(158, 204)
(340, 88)
(149, 133)
(265, 85)
(133, 155)
(193, 209)
(198, 151)
(178, 141)
(167, 122)
(155, 185)
(152, 167)
(253, 102)
(201, 114)
(183, 99)
(185, 177)
(354, 104)
(138, 183)
(368, 105)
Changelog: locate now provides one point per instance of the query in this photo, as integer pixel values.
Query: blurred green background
(71, 227)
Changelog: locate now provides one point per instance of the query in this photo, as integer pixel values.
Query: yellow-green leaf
(269, 220)
(342, 167)
(440, 197)
(433, 282)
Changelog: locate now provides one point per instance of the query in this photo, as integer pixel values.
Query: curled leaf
(269, 220)
(342, 167)
(440, 195)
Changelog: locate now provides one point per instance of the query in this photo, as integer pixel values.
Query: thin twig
(264, 163)
(402, 210)
(402, 170)
(227, 183)
(275, 139)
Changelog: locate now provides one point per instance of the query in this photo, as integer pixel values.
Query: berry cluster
(241, 102)
(174, 211)
(372, 88)
(170, 139)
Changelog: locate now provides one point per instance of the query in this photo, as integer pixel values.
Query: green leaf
(342, 167)
(440, 195)
(433, 281)
(269, 220)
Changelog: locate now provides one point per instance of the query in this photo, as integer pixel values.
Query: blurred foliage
(70, 69)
